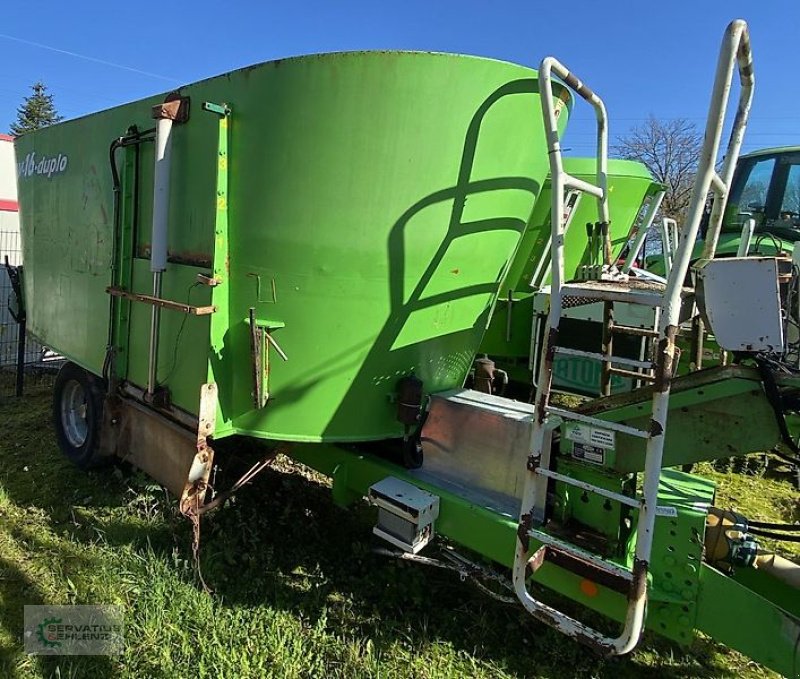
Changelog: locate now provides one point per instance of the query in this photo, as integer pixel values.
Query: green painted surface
(712, 412)
(629, 184)
(676, 562)
(735, 615)
(374, 202)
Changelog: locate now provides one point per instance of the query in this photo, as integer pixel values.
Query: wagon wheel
(77, 415)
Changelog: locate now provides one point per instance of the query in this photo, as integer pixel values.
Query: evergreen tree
(37, 110)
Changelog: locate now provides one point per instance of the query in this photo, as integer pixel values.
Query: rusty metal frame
(160, 302)
(196, 485)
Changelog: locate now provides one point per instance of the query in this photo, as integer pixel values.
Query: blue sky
(642, 57)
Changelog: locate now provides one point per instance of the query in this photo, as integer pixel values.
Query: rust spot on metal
(638, 587)
(186, 257)
(522, 531)
(585, 569)
(549, 358)
(665, 360)
(578, 86)
(175, 108)
(484, 375)
(655, 428)
(538, 559)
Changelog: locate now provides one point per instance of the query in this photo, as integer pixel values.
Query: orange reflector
(588, 588)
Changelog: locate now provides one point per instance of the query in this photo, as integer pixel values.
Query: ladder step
(580, 561)
(632, 362)
(633, 291)
(586, 419)
(571, 481)
(631, 374)
(633, 330)
(635, 502)
(607, 291)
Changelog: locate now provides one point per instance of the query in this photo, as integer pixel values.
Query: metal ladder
(668, 299)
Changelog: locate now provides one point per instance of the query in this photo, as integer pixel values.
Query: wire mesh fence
(24, 363)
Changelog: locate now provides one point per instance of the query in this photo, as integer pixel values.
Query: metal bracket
(200, 471)
(219, 109)
(260, 341)
(160, 302)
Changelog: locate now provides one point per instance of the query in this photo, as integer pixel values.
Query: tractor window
(790, 205)
(753, 198)
(750, 192)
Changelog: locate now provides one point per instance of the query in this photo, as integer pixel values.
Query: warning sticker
(588, 453)
(598, 438)
(602, 437)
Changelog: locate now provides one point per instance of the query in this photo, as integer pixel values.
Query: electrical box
(739, 299)
(405, 513)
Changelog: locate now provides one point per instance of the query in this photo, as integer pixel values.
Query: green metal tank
(630, 184)
(359, 208)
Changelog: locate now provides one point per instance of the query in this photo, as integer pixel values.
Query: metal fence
(24, 364)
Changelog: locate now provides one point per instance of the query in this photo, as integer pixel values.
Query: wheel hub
(74, 411)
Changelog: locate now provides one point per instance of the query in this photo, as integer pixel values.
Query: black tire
(78, 414)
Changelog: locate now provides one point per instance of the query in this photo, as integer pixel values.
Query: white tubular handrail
(669, 241)
(735, 51)
(559, 178)
(748, 228)
(641, 234)
(675, 234)
(542, 270)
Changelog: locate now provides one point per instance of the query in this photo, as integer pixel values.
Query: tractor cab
(766, 188)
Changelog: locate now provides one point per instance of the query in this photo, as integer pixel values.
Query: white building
(9, 209)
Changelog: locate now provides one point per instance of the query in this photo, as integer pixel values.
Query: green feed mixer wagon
(309, 251)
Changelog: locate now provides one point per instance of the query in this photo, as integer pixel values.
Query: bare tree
(671, 150)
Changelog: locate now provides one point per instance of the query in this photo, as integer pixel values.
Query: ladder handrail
(544, 425)
(735, 47)
(559, 178)
(748, 228)
(652, 208)
(545, 263)
(738, 41)
(735, 50)
(669, 242)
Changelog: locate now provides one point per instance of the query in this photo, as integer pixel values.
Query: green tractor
(762, 216)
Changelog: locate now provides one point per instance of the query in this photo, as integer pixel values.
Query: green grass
(297, 589)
